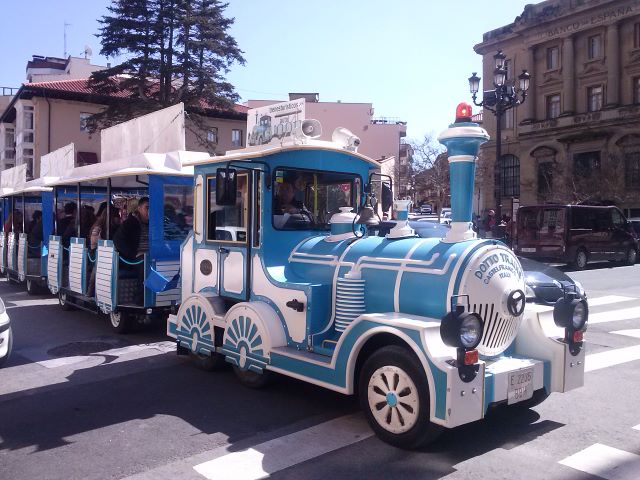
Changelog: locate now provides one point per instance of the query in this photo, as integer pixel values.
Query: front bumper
(5, 332)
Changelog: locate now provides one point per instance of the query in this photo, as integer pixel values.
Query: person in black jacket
(132, 242)
(132, 238)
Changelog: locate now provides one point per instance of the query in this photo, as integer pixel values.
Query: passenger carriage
(27, 207)
(430, 333)
(102, 280)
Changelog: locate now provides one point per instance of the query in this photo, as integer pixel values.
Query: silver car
(6, 336)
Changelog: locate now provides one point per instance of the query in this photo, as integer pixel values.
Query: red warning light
(463, 112)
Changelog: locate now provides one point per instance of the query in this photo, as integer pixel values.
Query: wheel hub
(393, 399)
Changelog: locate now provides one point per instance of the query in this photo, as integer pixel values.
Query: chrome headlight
(580, 288)
(460, 329)
(579, 317)
(470, 330)
(528, 292)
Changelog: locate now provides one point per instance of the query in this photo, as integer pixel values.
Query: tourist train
(284, 273)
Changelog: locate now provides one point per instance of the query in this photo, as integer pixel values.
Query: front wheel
(394, 395)
(580, 262)
(631, 256)
(209, 363)
(120, 322)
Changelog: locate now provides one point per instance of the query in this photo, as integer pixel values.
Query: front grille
(498, 331)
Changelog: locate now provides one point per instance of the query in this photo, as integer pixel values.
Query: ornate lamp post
(503, 97)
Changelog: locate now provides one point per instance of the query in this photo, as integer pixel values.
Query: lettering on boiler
(502, 264)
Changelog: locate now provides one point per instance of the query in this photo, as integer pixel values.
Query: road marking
(31, 303)
(637, 427)
(606, 462)
(284, 452)
(149, 350)
(634, 332)
(614, 315)
(608, 299)
(596, 361)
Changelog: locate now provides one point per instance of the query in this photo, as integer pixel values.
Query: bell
(367, 217)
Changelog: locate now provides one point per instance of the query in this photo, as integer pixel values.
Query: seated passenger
(34, 235)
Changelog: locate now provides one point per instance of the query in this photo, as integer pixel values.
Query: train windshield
(306, 200)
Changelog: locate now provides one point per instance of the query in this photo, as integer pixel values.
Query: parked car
(6, 335)
(426, 209)
(635, 225)
(575, 234)
(544, 284)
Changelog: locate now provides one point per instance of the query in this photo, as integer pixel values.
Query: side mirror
(387, 197)
(226, 186)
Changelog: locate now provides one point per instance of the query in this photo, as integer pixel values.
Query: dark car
(544, 284)
(575, 234)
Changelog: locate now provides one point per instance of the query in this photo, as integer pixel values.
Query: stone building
(576, 138)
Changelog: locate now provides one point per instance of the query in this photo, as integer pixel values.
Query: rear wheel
(252, 379)
(394, 394)
(120, 322)
(209, 363)
(581, 259)
(64, 301)
(32, 287)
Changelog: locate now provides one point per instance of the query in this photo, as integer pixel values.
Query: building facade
(576, 137)
(43, 116)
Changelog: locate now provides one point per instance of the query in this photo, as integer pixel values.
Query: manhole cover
(79, 348)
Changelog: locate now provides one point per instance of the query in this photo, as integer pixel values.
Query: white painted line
(606, 462)
(31, 303)
(284, 452)
(596, 361)
(633, 332)
(637, 427)
(149, 349)
(614, 315)
(608, 299)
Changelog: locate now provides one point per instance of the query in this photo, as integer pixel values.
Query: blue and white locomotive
(281, 274)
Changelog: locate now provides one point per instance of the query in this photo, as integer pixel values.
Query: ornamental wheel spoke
(393, 399)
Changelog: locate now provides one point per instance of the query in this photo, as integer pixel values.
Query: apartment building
(576, 138)
(51, 111)
(382, 138)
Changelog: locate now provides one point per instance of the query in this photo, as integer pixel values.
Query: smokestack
(462, 139)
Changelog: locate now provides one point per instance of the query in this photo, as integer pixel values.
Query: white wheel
(394, 394)
(393, 399)
(631, 256)
(581, 259)
(120, 322)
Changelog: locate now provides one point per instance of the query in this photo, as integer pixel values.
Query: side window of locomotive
(178, 211)
(228, 223)
(306, 200)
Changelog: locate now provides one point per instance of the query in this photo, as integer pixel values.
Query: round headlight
(470, 331)
(579, 317)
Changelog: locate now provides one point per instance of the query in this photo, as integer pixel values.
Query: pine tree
(176, 51)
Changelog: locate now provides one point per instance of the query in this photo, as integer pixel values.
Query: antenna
(87, 51)
(65, 38)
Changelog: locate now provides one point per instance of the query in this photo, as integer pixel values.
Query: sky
(411, 59)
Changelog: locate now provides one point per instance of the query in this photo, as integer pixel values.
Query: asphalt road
(78, 402)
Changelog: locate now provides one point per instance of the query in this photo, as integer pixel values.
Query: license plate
(528, 249)
(520, 385)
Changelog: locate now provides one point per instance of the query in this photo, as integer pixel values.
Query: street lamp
(503, 97)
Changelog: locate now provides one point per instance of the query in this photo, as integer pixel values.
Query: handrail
(195, 208)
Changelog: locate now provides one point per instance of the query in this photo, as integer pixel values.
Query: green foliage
(176, 51)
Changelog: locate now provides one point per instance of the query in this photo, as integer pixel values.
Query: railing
(9, 91)
(388, 121)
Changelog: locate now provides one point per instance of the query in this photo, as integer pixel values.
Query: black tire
(9, 348)
(209, 363)
(32, 287)
(581, 259)
(252, 379)
(64, 302)
(120, 322)
(386, 368)
(630, 256)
